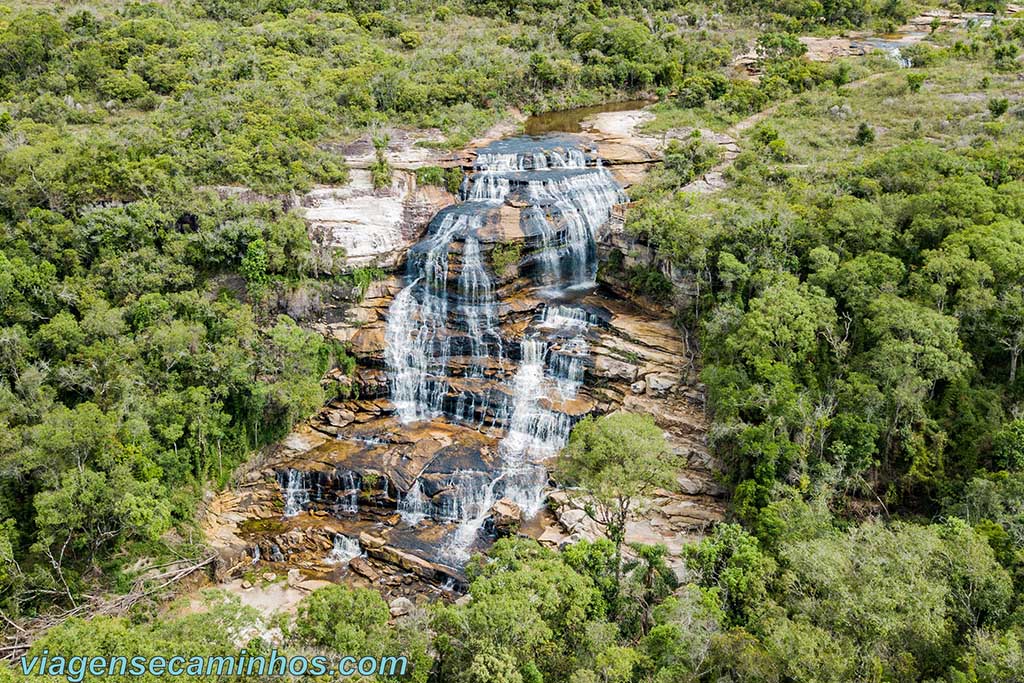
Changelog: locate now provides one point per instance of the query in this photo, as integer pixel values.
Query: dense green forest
(857, 289)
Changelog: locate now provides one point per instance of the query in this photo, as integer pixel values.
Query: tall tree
(617, 461)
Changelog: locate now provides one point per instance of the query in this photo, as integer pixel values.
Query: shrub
(381, 174)
(380, 170)
(410, 39)
(651, 282)
(691, 158)
(376, 21)
(997, 106)
(453, 179)
(865, 134)
(915, 80)
(430, 175)
(698, 90)
(744, 98)
(505, 257)
(123, 86)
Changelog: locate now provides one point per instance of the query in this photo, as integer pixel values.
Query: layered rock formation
(473, 367)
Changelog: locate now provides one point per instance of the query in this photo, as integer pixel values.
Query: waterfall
(416, 340)
(350, 487)
(344, 551)
(448, 354)
(526, 391)
(580, 204)
(477, 305)
(468, 507)
(534, 432)
(296, 493)
(560, 316)
(414, 506)
(469, 500)
(490, 187)
(568, 366)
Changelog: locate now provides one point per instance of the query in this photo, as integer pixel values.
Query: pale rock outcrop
(372, 226)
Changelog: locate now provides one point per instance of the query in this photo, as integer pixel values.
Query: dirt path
(714, 180)
(746, 124)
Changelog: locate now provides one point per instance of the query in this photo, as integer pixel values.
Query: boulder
(506, 516)
(605, 366)
(571, 519)
(294, 577)
(399, 607)
(660, 384)
(370, 542)
(340, 417)
(362, 566)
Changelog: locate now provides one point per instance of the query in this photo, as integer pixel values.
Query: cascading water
(580, 204)
(344, 551)
(568, 366)
(477, 307)
(296, 493)
(414, 506)
(467, 506)
(416, 340)
(349, 489)
(447, 353)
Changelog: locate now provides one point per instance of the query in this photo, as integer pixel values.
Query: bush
(505, 258)
(453, 179)
(430, 175)
(915, 79)
(997, 106)
(650, 281)
(865, 134)
(410, 39)
(380, 171)
(376, 21)
(381, 174)
(696, 91)
(123, 86)
(692, 158)
(744, 98)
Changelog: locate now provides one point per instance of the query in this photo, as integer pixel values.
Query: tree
(617, 460)
(692, 158)
(776, 46)
(529, 608)
(254, 268)
(912, 349)
(730, 562)
(895, 595)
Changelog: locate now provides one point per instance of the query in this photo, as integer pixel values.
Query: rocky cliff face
(372, 226)
(472, 368)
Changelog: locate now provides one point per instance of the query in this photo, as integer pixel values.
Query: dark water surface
(569, 120)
